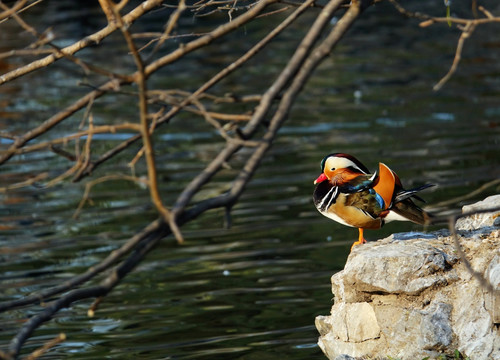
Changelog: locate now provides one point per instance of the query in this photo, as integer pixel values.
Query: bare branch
(111, 129)
(156, 227)
(466, 25)
(172, 22)
(222, 74)
(91, 184)
(145, 134)
(95, 291)
(466, 33)
(57, 118)
(47, 346)
(470, 195)
(95, 38)
(17, 8)
(296, 64)
(31, 181)
(116, 83)
(13, 10)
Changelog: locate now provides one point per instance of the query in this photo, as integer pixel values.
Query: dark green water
(253, 291)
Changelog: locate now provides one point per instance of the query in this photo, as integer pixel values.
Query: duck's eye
(332, 169)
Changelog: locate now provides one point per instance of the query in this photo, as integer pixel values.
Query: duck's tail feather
(405, 194)
(412, 212)
(405, 207)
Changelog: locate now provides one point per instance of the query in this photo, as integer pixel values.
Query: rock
(436, 327)
(344, 357)
(480, 220)
(411, 296)
(357, 322)
(493, 300)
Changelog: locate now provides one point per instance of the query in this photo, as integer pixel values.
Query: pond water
(251, 291)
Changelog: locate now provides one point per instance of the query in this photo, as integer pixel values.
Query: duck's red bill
(320, 178)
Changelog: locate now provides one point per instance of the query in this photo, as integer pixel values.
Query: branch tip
(427, 23)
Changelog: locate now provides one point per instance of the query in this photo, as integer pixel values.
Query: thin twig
(74, 295)
(488, 14)
(470, 195)
(103, 129)
(56, 119)
(92, 309)
(466, 33)
(172, 23)
(13, 10)
(5, 16)
(90, 40)
(265, 104)
(214, 80)
(222, 131)
(69, 172)
(45, 38)
(153, 228)
(145, 134)
(47, 346)
(91, 184)
(466, 25)
(31, 181)
(88, 142)
(116, 83)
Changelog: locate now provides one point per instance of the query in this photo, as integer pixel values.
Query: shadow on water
(252, 291)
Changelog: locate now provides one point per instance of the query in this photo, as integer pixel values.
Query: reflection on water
(250, 292)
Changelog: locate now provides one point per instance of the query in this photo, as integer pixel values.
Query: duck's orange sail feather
(386, 183)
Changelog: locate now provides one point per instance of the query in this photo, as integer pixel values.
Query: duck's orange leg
(361, 239)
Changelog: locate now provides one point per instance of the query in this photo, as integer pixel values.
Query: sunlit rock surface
(409, 296)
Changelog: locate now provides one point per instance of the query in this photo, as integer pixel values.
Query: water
(252, 291)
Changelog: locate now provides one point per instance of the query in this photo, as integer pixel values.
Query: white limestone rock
(478, 221)
(411, 297)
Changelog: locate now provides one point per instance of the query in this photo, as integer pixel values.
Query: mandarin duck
(347, 193)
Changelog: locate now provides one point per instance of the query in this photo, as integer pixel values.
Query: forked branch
(467, 26)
